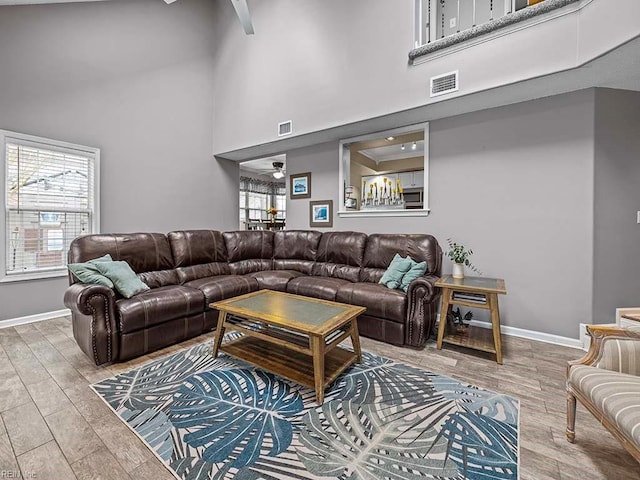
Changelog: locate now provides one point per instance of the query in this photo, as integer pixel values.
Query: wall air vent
(285, 128)
(445, 83)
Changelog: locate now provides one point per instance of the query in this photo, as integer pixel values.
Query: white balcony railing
(442, 23)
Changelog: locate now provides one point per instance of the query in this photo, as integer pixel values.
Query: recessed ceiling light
(414, 146)
(402, 147)
(391, 139)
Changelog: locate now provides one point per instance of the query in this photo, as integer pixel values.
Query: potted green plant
(459, 255)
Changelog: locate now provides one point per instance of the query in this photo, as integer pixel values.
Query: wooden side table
(472, 292)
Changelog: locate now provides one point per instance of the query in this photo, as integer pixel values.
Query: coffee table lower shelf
(288, 363)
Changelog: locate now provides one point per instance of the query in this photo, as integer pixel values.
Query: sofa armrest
(603, 349)
(77, 296)
(422, 298)
(94, 321)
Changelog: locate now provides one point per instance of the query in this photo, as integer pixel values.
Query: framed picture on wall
(321, 213)
(300, 186)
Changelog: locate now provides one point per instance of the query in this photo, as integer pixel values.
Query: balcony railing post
(473, 15)
(433, 20)
(419, 37)
(427, 38)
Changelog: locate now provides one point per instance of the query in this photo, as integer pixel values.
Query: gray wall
(513, 183)
(617, 199)
(134, 78)
(329, 63)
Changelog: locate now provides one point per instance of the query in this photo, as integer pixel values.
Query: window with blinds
(51, 193)
(257, 196)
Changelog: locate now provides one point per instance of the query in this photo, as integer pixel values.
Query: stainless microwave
(413, 198)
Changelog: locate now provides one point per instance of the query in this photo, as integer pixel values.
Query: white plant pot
(458, 270)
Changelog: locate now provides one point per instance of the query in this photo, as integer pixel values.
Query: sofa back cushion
(340, 255)
(194, 247)
(198, 254)
(249, 251)
(295, 250)
(148, 254)
(381, 248)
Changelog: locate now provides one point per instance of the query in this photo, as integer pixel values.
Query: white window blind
(50, 199)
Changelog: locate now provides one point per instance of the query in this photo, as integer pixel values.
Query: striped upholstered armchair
(607, 382)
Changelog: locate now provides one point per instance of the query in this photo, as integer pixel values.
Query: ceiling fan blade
(242, 10)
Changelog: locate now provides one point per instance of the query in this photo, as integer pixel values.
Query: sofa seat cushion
(316, 287)
(224, 286)
(614, 394)
(157, 306)
(275, 279)
(379, 300)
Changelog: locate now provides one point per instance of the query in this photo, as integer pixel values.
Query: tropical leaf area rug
(222, 418)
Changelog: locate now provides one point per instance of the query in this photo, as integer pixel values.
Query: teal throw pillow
(416, 270)
(123, 277)
(87, 272)
(392, 278)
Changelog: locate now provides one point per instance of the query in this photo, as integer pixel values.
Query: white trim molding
(533, 335)
(38, 317)
(25, 277)
(383, 213)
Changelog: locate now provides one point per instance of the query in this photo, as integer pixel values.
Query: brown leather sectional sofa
(187, 270)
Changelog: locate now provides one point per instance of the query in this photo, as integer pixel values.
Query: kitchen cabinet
(413, 179)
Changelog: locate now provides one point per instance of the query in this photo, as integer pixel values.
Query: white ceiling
(263, 166)
(387, 153)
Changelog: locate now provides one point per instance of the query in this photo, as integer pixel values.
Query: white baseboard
(531, 335)
(38, 317)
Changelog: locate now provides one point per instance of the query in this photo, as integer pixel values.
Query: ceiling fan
(279, 172)
(242, 10)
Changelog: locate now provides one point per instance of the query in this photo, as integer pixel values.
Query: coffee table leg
(355, 339)
(317, 349)
(222, 317)
(444, 310)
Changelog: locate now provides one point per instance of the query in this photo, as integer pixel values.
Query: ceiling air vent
(445, 83)
(285, 128)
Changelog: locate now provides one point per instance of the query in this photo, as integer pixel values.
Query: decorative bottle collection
(385, 193)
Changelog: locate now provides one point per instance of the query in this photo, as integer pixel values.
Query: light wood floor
(54, 427)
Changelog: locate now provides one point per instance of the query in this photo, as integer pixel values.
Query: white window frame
(7, 136)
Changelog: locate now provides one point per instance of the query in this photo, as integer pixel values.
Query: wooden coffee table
(290, 335)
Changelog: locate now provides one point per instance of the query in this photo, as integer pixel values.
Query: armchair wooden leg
(571, 417)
